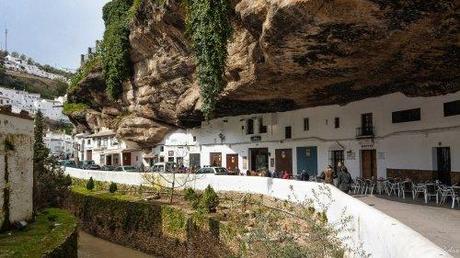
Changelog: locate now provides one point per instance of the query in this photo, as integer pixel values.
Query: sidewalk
(440, 225)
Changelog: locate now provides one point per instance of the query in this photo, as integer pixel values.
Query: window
(194, 138)
(306, 124)
(406, 115)
(162, 148)
(89, 141)
(249, 126)
(337, 122)
(452, 108)
(288, 132)
(262, 127)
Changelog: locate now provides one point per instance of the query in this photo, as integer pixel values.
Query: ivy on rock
(208, 24)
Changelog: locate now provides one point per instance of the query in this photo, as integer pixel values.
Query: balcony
(365, 132)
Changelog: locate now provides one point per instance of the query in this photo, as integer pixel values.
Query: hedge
(152, 227)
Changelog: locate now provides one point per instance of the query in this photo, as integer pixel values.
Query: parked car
(167, 167)
(126, 169)
(87, 163)
(213, 170)
(93, 167)
(108, 168)
(68, 163)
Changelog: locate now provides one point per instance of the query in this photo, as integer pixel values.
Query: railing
(365, 132)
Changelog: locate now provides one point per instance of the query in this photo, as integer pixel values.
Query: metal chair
(444, 192)
(405, 187)
(417, 189)
(456, 196)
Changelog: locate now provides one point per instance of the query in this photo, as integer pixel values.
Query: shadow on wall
(153, 228)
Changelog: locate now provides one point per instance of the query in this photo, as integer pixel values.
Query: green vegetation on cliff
(208, 23)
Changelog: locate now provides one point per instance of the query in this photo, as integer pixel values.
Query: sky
(53, 32)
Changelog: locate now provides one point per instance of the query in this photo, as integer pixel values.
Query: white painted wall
(381, 235)
(399, 146)
(19, 132)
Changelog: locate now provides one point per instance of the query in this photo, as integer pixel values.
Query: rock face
(283, 55)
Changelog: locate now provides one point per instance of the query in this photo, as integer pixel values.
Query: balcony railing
(365, 132)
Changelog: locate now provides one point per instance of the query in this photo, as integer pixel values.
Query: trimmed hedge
(151, 227)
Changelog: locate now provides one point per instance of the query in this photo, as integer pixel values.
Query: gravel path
(440, 225)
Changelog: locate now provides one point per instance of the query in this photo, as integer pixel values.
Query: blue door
(307, 159)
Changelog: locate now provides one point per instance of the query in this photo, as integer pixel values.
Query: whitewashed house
(106, 149)
(391, 135)
(60, 144)
(16, 166)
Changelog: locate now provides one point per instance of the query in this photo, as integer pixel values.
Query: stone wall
(16, 166)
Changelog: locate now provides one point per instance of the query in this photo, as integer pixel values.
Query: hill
(47, 88)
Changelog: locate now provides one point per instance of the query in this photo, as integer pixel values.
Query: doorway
(336, 157)
(368, 164)
(444, 164)
(126, 159)
(258, 159)
(215, 159)
(307, 159)
(108, 160)
(232, 162)
(283, 160)
(89, 155)
(195, 160)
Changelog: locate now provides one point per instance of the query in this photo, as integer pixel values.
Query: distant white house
(16, 161)
(60, 144)
(16, 64)
(106, 149)
(32, 102)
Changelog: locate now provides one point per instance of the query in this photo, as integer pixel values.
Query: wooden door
(232, 162)
(283, 160)
(89, 155)
(215, 159)
(108, 160)
(443, 163)
(368, 164)
(127, 159)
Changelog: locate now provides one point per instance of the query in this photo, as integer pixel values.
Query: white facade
(60, 144)
(32, 102)
(16, 158)
(16, 64)
(106, 149)
(398, 146)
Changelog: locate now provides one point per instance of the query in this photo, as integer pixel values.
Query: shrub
(90, 184)
(113, 187)
(209, 200)
(190, 194)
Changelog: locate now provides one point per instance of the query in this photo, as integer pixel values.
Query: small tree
(209, 200)
(113, 187)
(90, 184)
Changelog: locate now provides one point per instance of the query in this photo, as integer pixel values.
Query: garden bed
(53, 234)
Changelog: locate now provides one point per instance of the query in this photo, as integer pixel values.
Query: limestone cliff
(283, 55)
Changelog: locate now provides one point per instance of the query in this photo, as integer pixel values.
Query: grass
(40, 236)
(70, 108)
(105, 194)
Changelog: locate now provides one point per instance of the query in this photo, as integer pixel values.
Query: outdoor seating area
(429, 191)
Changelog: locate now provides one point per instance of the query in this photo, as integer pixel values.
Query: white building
(32, 102)
(391, 135)
(106, 149)
(16, 161)
(17, 64)
(60, 144)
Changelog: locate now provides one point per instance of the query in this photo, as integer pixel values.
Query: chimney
(82, 59)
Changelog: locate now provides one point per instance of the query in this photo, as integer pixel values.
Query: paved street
(440, 225)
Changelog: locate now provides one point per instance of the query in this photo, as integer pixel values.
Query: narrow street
(93, 247)
(440, 225)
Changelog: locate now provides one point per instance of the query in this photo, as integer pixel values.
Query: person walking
(344, 180)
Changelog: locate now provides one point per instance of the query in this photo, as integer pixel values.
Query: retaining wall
(379, 234)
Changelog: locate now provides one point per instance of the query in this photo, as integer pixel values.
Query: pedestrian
(327, 175)
(344, 180)
(304, 175)
(286, 175)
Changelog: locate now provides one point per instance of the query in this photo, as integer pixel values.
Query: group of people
(344, 180)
